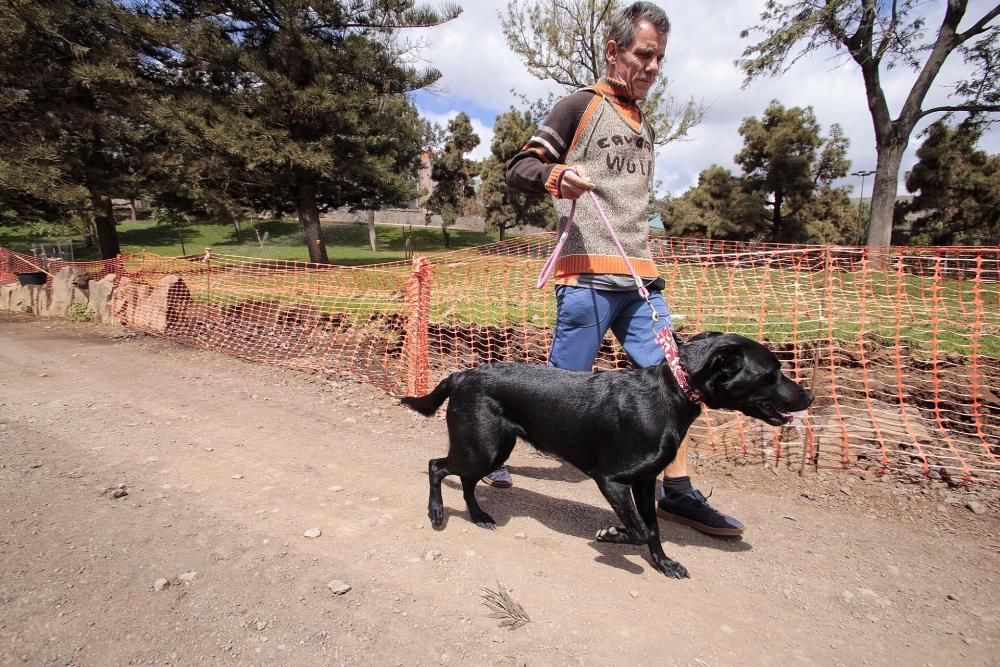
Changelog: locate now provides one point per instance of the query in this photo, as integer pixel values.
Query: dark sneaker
(499, 478)
(692, 509)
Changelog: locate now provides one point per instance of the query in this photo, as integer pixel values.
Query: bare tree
(879, 35)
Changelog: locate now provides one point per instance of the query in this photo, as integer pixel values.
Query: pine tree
(68, 134)
(452, 173)
(719, 207)
(829, 217)
(504, 209)
(785, 158)
(308, 97)
(958, 189)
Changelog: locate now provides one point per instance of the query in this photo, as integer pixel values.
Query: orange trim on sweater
(574, 265)
(627, 108)
(552, 183)
(588, 112)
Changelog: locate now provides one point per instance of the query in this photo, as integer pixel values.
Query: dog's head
(736, 373)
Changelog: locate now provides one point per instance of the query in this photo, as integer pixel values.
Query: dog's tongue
(785, 417)
(792, 416)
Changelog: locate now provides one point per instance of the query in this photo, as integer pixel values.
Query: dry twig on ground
(504, 607)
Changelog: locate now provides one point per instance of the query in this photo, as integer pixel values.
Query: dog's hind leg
(479, 517)
(618, 496)
(437, 470)
(616, 535)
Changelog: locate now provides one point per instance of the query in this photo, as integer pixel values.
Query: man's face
(639, 64)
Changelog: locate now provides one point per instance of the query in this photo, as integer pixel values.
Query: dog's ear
(727, 362)
(717, 363)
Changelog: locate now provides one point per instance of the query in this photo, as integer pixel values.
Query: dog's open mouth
(774, 415)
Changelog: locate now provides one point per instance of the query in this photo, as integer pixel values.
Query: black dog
(621, 428)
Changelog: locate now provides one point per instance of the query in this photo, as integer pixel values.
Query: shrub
(78, 313)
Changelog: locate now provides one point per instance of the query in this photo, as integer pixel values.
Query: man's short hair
(623, 23)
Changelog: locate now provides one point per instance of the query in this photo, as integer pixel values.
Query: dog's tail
(429, 403)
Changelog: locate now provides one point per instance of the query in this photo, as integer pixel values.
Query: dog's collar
(672, 354)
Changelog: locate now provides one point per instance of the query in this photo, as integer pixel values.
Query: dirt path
(227, 464)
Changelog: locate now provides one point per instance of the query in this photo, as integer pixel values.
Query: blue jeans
(584, 315)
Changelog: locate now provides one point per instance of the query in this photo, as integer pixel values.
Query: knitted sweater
(609, 138)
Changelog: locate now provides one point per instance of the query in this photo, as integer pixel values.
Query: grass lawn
(346, 243)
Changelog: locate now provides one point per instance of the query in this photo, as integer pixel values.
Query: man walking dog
(597, 140)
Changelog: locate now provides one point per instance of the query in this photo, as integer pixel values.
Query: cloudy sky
(479, 72)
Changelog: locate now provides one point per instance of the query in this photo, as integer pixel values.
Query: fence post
(415, 346)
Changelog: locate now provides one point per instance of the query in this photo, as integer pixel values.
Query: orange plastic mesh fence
(902, 350)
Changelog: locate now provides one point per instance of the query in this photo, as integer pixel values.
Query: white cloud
(479, 71)
(471, 53)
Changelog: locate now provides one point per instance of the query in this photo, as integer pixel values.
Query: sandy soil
(226, 465)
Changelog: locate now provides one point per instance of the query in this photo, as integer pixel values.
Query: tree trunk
(503, 228)
(776, 219)
(448, 217)
(892, 136)
(372, 238)
(239, 229)
(309, 222)
(883, 202)
(90, 234)
(104, 221)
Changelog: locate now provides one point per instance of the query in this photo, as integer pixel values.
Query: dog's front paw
(484, 520)
(436, 515)
(671, 568)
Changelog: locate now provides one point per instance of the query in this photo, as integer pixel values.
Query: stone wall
(150, 308)
(404, 216)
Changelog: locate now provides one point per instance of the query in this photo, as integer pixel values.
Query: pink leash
(664, 336)
(550, 264)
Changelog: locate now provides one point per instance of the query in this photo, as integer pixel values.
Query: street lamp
(861, 198)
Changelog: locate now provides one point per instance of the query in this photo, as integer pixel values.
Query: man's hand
(574, 182)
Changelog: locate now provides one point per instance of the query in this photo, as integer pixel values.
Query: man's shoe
(692, 509)
(499, 478)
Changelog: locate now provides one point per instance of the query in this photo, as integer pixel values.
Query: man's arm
(538, 169)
